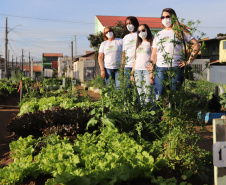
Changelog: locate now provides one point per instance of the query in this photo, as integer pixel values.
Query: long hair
(179, 30)
(134, 21)
(110, 29)
(149, 36)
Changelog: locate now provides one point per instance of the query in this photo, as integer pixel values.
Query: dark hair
(149, 36)
(134, 21)
(110, 29)
(177, 27)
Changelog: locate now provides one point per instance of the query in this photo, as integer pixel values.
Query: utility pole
(71, 51)
(22, 62)
(16, 62)
(12, 61)
(8, 63)
(6, 49)
(75, 47)
(29, 65)
(32, 68)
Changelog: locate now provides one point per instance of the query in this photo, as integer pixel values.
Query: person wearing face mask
(129, 46)
(140, 71)
(167, 52)
(109, 57)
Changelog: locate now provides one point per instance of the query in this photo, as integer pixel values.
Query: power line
(46, 19)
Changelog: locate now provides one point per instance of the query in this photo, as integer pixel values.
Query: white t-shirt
(112, 53)
(129, 46)
(143, 56)
(164, 42)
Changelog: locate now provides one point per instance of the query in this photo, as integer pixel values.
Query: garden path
(8, 107)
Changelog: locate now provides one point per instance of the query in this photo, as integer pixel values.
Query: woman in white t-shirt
(110, 55)
(167, 52)
(141, 64)
(129, 46)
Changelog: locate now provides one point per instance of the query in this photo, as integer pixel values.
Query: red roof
(52, 55)
(35, 68)
(152, 22)
(213, 62)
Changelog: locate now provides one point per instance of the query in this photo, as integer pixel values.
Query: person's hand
(102, 74)
(151, 77)
(132, 78)
(182, 64)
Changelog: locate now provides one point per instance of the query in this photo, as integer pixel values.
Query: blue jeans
(144, 88)
(162, 76)
(112, 74)
(127, 76)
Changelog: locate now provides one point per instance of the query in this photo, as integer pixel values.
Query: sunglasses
(107, 31)
(143, 30)
(167, 17)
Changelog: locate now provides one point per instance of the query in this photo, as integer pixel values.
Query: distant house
(154, 23)
(36, 70)
(50, 60)
(215, 51)
(82, 68)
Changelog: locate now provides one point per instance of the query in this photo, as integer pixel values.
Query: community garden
(62, 136)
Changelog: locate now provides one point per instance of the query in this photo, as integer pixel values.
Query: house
(85, 67)
(82, 68)
(215, 52)
(65, 67)
(154, 23)
(35, 70)
(50, 60)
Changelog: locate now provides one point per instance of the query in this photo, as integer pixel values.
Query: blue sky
(50, 25)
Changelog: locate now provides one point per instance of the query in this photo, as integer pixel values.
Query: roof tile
(152, 22)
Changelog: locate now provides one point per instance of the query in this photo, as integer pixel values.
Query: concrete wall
(2, 74)
(201, 65)
(218, 74)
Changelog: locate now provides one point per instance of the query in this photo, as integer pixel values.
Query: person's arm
(195, 49)
(132, 71)
(152, 64)
(101, 64)
(123, 58)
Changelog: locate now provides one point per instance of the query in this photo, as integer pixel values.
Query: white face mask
(110, 34)
(130, 27)
(143, 35)
(167, 22)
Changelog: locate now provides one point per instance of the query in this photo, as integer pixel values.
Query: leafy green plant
(99, 158)
(223, 100)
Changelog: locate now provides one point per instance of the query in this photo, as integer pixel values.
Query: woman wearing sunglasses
(142, 63)
(109, 57)
(167, 52)
(129, 46)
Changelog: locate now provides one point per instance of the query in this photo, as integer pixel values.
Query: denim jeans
(144, 88)
(112, 74)
(127, 76)
(162, 76)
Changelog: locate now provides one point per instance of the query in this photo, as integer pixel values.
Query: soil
(8, 107)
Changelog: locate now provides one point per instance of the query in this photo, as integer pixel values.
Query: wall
(222, 51)
(98, 26)
(218, 74)
(202, 66)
